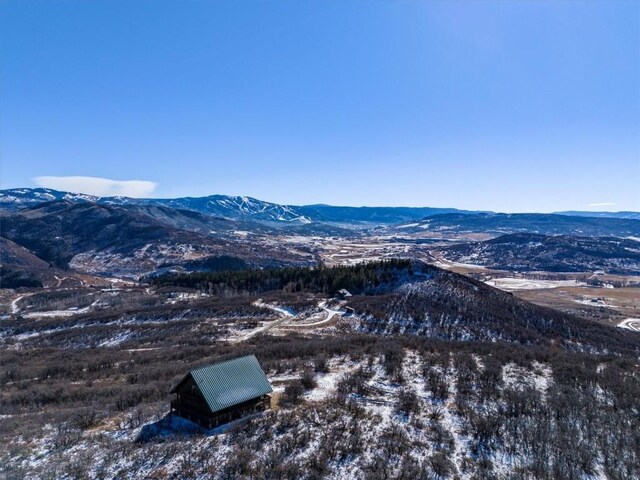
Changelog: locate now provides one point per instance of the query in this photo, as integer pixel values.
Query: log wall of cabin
(190, 404)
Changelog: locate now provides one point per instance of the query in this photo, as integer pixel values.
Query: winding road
(630, 324)
(326, 321)
(14, 304)
(285, 312)
(288, 314)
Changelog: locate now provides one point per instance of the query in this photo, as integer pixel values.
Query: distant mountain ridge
(217, 205)
(383, 215)
(580, 213)
(502, 223)
(411, 218)
(235, 207)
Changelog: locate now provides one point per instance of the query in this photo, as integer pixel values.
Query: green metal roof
(228, 383)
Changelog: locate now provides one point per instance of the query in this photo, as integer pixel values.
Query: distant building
(344, 293)
(222, 392)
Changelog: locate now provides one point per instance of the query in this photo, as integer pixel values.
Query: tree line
(360, 278)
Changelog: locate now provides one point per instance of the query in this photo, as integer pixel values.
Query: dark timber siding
(220, 393)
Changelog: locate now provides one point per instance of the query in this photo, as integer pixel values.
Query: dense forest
(361, 278)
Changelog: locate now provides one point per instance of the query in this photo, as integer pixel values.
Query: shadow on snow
(171, 426)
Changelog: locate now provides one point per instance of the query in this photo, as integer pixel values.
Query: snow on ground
(517, 377)
(413, 372)
(60, 313)
(285, 322)
(117, 339)
(452, 422)
(356, 261)
(14, 304)
(280, 381)
(594, 302)
(327, 383)
(630, 324)
(380, 401)
(120, 322)
(286, 314)
(442, 263)
(329, 314)
(55, 313)
(510, 283)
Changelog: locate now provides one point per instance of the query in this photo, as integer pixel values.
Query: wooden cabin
(222, 392)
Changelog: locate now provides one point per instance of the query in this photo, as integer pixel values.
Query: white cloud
(101, 187)
(603, 204)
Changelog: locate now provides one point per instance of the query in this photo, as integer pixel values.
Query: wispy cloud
(102, 187)
(603, 204)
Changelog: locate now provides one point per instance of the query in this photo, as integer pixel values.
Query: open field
(607, 305)
(347, 251)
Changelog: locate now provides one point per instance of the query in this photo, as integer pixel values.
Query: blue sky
(510, 106)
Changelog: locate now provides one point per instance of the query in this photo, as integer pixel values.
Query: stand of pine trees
(360, 278)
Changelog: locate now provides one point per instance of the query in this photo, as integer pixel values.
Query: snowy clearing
(630, 324)
(60, 313)
(509, 283)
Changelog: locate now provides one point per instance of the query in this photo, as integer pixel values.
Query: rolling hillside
(543, 223)
(413, 298)
(131, 240)
(562, 253)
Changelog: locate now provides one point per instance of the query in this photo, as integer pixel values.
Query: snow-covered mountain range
(216, 205)
(234, 207)
(248, 208)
